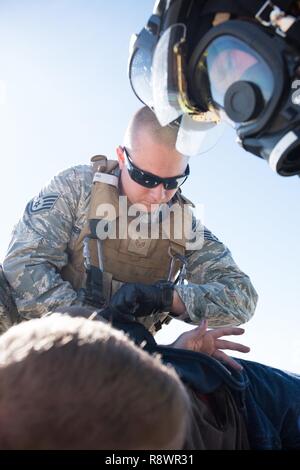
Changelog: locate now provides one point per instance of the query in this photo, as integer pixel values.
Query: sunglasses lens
(151, 181)
(174, 183)
(142, 179)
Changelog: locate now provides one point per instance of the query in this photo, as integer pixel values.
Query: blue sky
(65, 96)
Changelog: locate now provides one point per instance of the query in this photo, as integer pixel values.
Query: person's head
(236, 61)
(149, 147)
(73, 383)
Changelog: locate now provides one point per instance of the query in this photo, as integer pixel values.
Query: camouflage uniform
(217, 289)
(8, 310)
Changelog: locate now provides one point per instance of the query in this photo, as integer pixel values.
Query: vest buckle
(181, 276)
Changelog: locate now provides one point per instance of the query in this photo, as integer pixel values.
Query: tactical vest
(8, 310)
(125, 259)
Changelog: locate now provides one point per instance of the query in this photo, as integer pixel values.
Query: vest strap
(106, 178)
(94, 287)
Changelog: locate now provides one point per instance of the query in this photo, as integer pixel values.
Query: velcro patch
(42, 203)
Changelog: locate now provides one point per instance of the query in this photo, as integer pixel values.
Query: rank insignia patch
(43, 203)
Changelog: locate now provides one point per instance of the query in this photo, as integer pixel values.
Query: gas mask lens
(237, 79)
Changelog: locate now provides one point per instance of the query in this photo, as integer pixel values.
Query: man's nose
(158, 193)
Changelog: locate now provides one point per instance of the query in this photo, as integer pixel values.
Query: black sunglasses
(148, 180)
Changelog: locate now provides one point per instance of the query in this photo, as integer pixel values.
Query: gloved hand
(139, 300)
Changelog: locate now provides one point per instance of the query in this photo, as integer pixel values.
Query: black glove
(140, 300)
(137, 331)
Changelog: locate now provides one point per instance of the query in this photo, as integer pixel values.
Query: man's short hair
(73, 383)
(145, 120)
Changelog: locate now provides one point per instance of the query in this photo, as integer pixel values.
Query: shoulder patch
(42, 203)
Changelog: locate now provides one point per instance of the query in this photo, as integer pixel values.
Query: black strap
(159, 324)
(224, 6)
(284, 5)
(294, 33)
(251, 9)
(94, 294)
(245, 7)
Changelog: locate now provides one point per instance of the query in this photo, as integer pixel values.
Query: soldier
(59, 255)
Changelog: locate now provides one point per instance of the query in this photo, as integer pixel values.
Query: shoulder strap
(101, 164)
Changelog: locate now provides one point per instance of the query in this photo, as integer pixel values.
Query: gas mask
(245, 71)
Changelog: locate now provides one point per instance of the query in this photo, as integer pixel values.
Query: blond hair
(145, 120)
(73, 383)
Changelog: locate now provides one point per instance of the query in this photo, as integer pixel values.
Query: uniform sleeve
(38, 249)
(8, 310)
(217, 289)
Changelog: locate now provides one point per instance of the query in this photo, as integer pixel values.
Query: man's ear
(120, 155)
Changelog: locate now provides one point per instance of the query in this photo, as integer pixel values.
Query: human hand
(209, 342)
(141, 300)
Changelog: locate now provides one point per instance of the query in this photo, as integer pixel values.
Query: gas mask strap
(269, 14)
(274, 14)
(293, 31)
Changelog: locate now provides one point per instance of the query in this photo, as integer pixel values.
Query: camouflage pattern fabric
(8, 310)
(42, 243)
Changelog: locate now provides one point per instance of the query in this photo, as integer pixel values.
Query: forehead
(156, 157)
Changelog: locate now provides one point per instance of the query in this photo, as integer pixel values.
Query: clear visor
(140, 65)
(168, 75)
(198, 132)
(198, 137)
